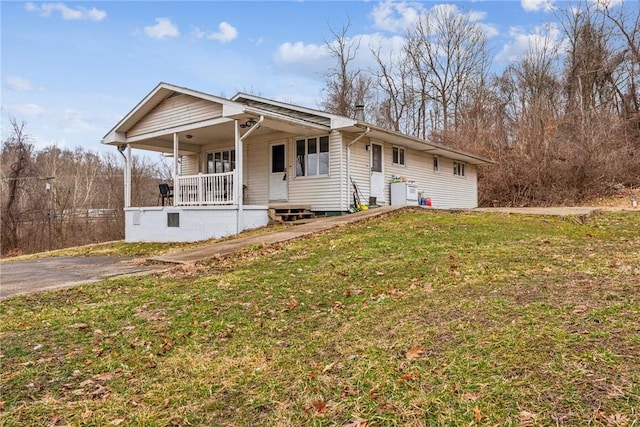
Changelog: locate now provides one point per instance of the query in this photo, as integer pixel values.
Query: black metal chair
(166, 193)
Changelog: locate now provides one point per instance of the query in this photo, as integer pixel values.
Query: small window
(458, 168)
(436, 164)
(221, 161)
(173, 219)
(312, 156)
(398, 156)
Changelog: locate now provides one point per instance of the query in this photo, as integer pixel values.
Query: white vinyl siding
(322, 193)
(190, 164)
(176, 111)
(256, 172)
(445, 190)
(360, 171)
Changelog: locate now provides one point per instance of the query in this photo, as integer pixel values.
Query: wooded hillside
(57, 197)
(562, 122)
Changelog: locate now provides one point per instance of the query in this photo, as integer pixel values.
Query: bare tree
(448, 51)
(16, 153)
(345, 87)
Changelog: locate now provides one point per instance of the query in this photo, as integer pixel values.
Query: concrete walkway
(289, 233)
(550, 211)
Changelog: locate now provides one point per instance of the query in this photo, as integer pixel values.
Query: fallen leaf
(79, 326)
(415, 351)
(99, 391)
(470, 397)
(410, 376)
(617, 420)
(117, 422)
(319, 406)
(1, 405)
(527, 418)
(86, 414)
(328, 367)
(379, 273)
(105, 377)
(477, 414)
(292, 306)
(166, 346)
(358, 422)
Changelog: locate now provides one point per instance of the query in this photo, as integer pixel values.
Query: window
(312, 156)
(173, 219)
(458, 168)
(398, 156)
(436, 164)
(221, 161)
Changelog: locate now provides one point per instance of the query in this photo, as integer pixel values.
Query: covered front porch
(229, 163)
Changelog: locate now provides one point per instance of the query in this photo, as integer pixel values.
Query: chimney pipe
(360, 112)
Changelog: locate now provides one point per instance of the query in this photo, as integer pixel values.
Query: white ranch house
(239, 157)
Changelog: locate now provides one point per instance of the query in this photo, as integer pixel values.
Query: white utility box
(404, 194)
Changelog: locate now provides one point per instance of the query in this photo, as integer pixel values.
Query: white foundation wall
(195, 223)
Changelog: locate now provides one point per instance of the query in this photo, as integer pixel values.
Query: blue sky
(72, 69)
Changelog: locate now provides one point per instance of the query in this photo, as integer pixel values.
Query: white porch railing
(204, 189)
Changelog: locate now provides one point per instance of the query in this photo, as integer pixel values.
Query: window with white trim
(221, 161)
(458, 168)
(436, 164)
(398, 156)
(312, 156)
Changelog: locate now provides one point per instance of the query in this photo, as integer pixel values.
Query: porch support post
(237, 179)
(175, 169)
(127, 178)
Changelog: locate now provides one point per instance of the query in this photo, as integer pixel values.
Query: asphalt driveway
(22, 277)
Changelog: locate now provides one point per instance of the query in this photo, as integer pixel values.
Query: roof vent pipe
(360, 112)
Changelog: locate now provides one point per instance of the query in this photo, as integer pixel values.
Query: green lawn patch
(415, 318)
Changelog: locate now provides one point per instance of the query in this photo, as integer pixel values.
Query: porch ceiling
(192, 139)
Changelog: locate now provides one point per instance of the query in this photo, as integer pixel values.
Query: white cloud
(298, 52)
(547, 36)
(225, 34)
(74, 121)
(26, 110)
(395, 16)
(537, 5)
(18, 84)
(163, 28)
(68, 14)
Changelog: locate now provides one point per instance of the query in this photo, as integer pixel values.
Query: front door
(278, 173)
(377, 173)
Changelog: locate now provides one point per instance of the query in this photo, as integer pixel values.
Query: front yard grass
(416, 318)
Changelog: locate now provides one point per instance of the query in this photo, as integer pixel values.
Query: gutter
(358, 138)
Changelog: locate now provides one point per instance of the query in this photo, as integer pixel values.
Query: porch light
(249, 123)
(189, 136)
(122, 147)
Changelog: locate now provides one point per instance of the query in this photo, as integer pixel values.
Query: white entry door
(278, 173)
(377, 173)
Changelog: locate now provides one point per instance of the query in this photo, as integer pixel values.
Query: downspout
(237, 188)
(362, 135)
(127, 173)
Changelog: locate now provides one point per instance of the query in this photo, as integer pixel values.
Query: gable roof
(243, 104)
(160, 93)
